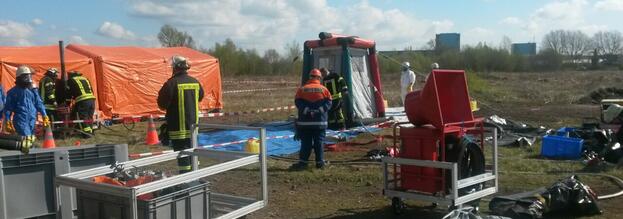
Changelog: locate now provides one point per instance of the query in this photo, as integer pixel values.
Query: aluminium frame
(452, 199)
(232, 160)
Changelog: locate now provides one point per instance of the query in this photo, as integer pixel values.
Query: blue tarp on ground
(281, 146)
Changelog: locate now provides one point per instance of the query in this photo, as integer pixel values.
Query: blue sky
(265, 24)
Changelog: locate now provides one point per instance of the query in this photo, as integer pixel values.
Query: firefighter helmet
(22, 70)
(180, 62)
(315, 72)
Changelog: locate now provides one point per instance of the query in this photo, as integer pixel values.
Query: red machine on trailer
(441, 157)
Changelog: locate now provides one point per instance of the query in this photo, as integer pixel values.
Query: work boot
(298, 166)
(320, 165)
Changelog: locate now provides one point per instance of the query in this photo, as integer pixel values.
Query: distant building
(525, 49)
(448, 42)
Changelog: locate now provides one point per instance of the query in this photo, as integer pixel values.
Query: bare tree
(506, 43)
(294, 51)
(608, 42)
(555, 41)
(271, 56)
(578, 44)
(430, 45)
(169, 36)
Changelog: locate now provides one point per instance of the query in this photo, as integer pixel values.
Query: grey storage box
(189, 203)
(27, 181)
(127, 200)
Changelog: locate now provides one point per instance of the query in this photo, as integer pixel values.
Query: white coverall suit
(407, 79)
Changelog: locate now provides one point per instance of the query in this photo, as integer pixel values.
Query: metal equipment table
(223, 205)
(392, 189)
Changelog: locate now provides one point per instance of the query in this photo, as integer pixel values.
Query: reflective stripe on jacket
(313, 101)
(180, 97)
(47, 91)
(80, 88)
(335, 84)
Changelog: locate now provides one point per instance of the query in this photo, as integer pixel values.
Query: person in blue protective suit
(2, 100)
(313, 102)
(22, 104)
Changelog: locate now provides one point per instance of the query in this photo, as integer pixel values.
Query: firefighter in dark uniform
(47, 91)
(180, 97)
(338, 89)
(81, 92)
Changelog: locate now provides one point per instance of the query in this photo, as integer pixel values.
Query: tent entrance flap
(364, 105)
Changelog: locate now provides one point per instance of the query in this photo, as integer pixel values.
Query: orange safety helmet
(315, 72)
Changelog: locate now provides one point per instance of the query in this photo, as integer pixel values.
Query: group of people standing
(22, 103)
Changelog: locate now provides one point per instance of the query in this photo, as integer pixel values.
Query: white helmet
(612, 112)
(406, 64)
(434, 65)
(22, 70)
(178, 61)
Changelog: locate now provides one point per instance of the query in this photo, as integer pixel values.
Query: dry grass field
(354, 191)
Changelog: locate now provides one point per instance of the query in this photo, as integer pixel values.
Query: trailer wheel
(398, 206)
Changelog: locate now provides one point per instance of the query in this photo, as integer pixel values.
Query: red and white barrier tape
(257, 90)
(245, 140)
(201, 115)
(281, 108)
(260, 82)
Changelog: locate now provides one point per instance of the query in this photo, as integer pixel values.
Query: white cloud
(147, 8)
(265, 24)
(77, 40)
(36, 21)
(567, 15)
(15, 33)
(116, 31)
(150, 41)
(609, 5)
(477, 35)
(560, 14)
(511, 21)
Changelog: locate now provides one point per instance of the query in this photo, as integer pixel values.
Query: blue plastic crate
(564, 131)
(560, 147)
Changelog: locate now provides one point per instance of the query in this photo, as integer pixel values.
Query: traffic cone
(48, 139)
(152, 134)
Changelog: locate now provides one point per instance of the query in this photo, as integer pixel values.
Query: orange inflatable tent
(129, 78)
(204, 68)
(40, 58)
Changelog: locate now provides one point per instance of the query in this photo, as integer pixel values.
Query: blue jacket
(313, 102)
(23, 103)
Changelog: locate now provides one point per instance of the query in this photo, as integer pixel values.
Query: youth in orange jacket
(313, 102)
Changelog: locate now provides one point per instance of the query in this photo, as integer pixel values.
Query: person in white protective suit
(407, 79)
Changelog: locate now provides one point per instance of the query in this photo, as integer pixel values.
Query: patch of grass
(485, 91)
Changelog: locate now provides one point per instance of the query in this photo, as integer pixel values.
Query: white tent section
(363, 89)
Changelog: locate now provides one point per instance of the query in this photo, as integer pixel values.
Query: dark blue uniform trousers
(311, 139)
